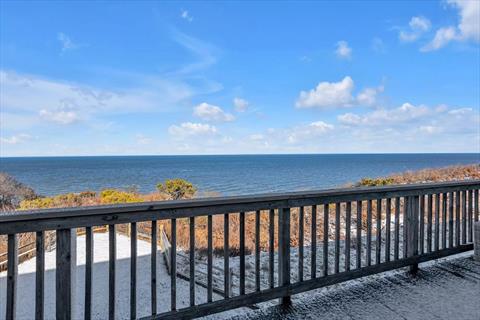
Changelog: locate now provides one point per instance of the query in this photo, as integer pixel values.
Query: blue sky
(117, 78)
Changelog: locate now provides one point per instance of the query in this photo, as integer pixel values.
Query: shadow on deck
(444, 289)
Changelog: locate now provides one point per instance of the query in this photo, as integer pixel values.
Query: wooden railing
(353, 233)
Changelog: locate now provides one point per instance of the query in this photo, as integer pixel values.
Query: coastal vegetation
(26, 199)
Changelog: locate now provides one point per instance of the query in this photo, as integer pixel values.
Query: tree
(177, 188)
(12, 192)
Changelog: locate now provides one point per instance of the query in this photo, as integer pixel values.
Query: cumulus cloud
(343, 51)
(468, 28)
(337, 95)
(188, 129)
(417, 26)
(213, 113)
(403, 113)
(241, 105)
(16, 139)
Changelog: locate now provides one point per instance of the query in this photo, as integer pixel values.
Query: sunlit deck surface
(443, 289)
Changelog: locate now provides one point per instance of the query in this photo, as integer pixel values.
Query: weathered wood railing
(409, 224)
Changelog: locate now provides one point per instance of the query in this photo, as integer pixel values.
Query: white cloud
(368, 96)
(405, 112)
(66, 42)
(16, 139)
(257, 137)
(188, 129)
(328, 94)
(337, 95)
(417, 26)
(467, 29)
(469, 12)
(343, 51)
(65, 102)
(186, 15)
(142, 139)
(430, 129)
(442, 37)
(241, 105)
(210, 112)
(60, 116)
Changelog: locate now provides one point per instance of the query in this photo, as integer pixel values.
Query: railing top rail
(209, 203)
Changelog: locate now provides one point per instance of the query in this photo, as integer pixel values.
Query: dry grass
(451, 173)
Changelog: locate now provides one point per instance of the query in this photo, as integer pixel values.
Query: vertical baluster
(173, 261)
(300, 244)
(412, 207)
(313, 247)
(133, 270)
(226, 255)
(337, 237)
(422, 224)
(378, 247)
(359, 234)
(450, 219)
(396, 248)
(457, 218)
(470, 216)
(40, 274)
(153, 269)
(257, 250)
(477, 204)
(88, 271)
(242, 253)
(388, 221)
(12, 272)
(325, 238)
(348, 222)
(271, 247)
(284, 250)
(65, 272)
(369, 233)
(464, 216)
(444, 220)
(429, 222)
(210, 259)
(192, 261)
(437, 222)
(111, 267)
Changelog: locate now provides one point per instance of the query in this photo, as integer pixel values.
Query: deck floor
(444, 289)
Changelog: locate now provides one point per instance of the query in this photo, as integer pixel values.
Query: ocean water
(225, 175)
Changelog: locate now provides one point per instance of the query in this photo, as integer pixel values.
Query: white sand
(26, 282)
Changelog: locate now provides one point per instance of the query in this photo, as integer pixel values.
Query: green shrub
(112, 196)
(177, 188)
(369, 182)
(38, 203)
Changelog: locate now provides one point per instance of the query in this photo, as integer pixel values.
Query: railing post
(284, 251)
(65, 273)
(412, 207)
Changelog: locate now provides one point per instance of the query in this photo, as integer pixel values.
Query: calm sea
(226, 175)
